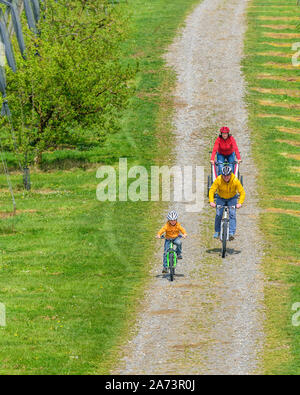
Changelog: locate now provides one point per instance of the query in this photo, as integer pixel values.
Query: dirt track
(209, 321)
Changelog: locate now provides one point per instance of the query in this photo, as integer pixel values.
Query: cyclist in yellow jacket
(227, 186)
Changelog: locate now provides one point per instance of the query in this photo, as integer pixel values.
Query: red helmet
(224, 129)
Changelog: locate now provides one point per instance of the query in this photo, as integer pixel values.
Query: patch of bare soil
(295, 213)
(290, 156)
(270, 103)
(285, 66)
(277, 44)
(6, 214)
(293, 143)
(274, 53)
(45, 191)
(280, 27)
(286, 117)
(287, 92)
(288, 130)
(292, 198)
(278, 18)
(293, 185)
(282, 35)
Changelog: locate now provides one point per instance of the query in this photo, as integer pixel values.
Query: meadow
(274, 103)
(73, 269)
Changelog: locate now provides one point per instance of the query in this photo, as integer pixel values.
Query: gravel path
(209, 320)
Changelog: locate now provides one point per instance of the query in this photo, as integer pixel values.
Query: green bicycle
(171, 258)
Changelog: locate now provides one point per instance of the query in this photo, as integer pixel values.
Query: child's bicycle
(171, 258)
(224, 234)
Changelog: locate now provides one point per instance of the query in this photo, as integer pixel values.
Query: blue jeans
(221, 158)
(178, 244)
(232, 214)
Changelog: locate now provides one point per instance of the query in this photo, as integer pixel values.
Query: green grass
(72, 269)
(276, 151)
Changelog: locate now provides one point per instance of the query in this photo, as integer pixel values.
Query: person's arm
(183, 231)
(161, 231)
(236, 150)
(241, 191)
(213, 190)
(215, 149)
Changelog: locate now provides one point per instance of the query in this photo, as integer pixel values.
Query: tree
(71, 80)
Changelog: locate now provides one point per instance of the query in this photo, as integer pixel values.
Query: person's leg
(220, 159)
(178, 244)
(231, 160)
(167, 245)
(219, 214)
(232, 216)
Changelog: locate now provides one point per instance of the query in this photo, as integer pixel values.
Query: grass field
(72, 269)
(274, 105)
(70, 272)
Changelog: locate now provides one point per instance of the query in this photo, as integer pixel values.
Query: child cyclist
(172, 230)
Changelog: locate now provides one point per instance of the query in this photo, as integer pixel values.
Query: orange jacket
(171, 231)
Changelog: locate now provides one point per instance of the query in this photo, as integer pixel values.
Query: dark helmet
(226, 171)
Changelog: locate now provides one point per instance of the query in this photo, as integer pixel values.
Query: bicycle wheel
(172, 269)
(224, 239)
(242, 180)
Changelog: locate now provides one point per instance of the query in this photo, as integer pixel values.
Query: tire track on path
(209, 321)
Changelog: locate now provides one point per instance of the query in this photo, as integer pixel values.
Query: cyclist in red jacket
(226, 148)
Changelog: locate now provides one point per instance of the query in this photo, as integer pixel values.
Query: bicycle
(171, 258)
(224, 233)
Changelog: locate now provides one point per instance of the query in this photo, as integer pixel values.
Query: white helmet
(172, 216)
(226, 171)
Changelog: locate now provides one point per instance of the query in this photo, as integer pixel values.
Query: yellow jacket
(172, 231)
(227, 190)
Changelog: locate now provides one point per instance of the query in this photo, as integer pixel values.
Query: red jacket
(225, 147)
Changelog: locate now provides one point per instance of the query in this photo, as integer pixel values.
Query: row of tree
(71, 86)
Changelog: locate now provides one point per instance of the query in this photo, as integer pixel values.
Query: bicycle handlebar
(163, 237)
(227, 163)
(221, 206)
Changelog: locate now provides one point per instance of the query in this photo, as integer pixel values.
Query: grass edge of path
(281, 278)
